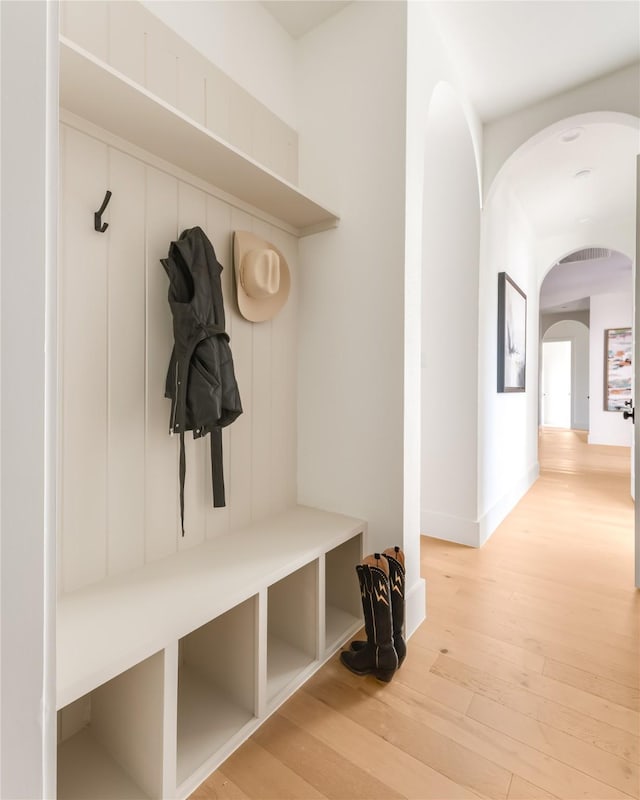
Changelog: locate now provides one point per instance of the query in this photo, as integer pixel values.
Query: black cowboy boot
(395, 557)
(378, 656)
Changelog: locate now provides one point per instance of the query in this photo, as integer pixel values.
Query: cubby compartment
(343, 607)
(292, 629)
(216, 686)
(110, 742)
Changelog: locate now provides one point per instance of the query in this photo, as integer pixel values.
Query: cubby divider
(216, 686)
(343, 606)
(292, 629)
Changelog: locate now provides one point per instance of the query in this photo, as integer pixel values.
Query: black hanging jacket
(201, 381)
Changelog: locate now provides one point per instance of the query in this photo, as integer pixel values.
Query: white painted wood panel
(83, 318)
(219, 232)
(191, 88)
(127, 20)
(161, 466)
(162, 70)
(119, 482)
(87, 23)
(192, 211)
(284, 376)
(126, 364)
(241, 466)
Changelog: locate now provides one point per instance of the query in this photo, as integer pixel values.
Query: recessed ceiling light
(571, 135)
(583, 173)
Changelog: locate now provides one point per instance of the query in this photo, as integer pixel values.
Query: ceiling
(563, 288)
(508, 53)
(554, 190)
(512, 54)
(298, 17)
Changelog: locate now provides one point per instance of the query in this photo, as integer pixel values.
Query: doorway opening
(556, 383)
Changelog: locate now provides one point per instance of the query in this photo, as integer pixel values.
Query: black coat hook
(97, 217)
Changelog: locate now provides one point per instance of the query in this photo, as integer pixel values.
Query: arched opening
(564, 373)
(450, 246)
(591, 287)
(570, 187)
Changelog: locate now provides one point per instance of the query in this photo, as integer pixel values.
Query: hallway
(521, 684)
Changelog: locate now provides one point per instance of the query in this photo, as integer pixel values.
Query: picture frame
(618, 348)
(512, 335)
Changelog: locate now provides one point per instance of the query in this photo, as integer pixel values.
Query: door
(556, 384)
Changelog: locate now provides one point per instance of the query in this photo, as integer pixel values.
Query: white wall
(578, 334)
(352, 363)
(28, 193)
(508, 447)
(450, 247)
(607, 311)
(431, 75)
(244, 40)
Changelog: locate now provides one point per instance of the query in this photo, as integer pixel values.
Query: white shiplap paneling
(83, 336)
(161, 465)
(119, 481)
(126, 362)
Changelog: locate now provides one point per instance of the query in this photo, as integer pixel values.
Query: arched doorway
(564, 374)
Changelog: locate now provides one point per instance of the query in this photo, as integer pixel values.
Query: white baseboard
(415, 604)
(494, 516)
(449, 528)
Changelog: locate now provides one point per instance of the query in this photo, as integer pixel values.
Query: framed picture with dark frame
(512, 335)
(618, 345)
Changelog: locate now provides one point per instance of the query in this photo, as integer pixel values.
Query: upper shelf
(98, 93)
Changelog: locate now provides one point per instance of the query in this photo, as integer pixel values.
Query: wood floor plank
(593, 683)
(562, 693)
(601, 618)
(523, 790)
(546, 643)
(363, 701)
(440, 634)
(259, 774)
(517, 696)
(588, 638)
(323, 767)
(483, 741)
(403, 773)
(415, 672)
(219, 787)
(603, 766)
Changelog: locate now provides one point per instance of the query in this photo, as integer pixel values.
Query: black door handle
(630, 414)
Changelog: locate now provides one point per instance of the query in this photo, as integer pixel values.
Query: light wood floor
(521, 684)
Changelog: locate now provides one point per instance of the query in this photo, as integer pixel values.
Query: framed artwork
(617, 368)
(512, 335)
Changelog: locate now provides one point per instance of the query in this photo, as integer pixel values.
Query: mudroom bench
(163, 671)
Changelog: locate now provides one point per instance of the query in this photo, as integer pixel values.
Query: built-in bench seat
(224, 631)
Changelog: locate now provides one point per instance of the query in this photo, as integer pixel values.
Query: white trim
(497, 513)
(415, 606)
(449, 528)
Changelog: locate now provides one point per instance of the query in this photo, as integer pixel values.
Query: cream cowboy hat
(262, 277)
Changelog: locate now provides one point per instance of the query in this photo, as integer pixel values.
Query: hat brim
(252, 308)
